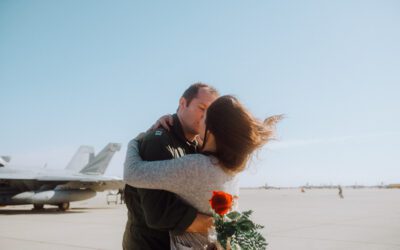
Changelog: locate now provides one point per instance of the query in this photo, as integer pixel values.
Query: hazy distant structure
(340, 192)
(394, 186)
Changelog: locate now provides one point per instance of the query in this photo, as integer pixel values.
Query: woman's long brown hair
(237, 132)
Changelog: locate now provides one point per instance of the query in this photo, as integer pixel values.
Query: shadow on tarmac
(37, 211)
(74, 210)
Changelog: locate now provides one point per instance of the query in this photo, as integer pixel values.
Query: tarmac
(365, 219)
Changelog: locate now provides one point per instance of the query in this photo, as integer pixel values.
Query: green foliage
(233, 215)
(241, 231)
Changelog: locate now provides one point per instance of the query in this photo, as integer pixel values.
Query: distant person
(230, 134)
(302, 190)
(340, 192)
(121, 195)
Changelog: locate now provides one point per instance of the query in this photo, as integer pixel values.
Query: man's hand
(201, 224)
(199, 141)
(165, 121)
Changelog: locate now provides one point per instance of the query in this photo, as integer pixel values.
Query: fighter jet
(80, 180)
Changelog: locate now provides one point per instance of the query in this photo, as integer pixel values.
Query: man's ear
(182, 103)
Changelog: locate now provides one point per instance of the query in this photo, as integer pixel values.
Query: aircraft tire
(38, 206)
(63, 206)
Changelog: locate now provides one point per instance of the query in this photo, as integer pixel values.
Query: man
(153, 213)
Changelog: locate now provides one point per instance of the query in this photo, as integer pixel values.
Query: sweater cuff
(186, 221)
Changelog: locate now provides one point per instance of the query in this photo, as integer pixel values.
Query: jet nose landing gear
(63, 206)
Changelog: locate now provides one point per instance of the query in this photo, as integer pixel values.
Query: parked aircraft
(80, 180)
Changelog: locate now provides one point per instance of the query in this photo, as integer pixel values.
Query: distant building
(394, 186)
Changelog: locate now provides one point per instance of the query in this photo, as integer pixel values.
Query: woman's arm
(171, 175)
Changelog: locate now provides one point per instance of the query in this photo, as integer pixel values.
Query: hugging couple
(171, 171)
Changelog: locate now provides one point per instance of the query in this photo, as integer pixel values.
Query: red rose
(221, 202)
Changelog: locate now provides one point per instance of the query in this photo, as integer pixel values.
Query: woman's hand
(165, 121)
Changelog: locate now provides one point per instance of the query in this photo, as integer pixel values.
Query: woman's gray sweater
(192, 177)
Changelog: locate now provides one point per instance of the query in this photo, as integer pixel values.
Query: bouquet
(234, 230)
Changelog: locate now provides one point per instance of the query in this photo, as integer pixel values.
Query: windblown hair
(237, 132)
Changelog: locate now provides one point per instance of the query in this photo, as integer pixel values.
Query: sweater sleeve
(172, 175)
(162, 210)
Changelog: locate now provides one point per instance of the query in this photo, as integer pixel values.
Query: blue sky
(91, 72)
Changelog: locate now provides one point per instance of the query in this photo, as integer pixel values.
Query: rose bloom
(221, 202)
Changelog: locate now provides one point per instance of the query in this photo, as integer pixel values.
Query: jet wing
(75, 181)
(13, 174)
(95, 182)
(78, 178)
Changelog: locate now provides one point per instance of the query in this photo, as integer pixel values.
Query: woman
(231, 134)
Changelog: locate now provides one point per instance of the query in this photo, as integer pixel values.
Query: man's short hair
(191, 92)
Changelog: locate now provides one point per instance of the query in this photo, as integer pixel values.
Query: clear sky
(93, 72)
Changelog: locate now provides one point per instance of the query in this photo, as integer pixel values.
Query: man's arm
(163, 210)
